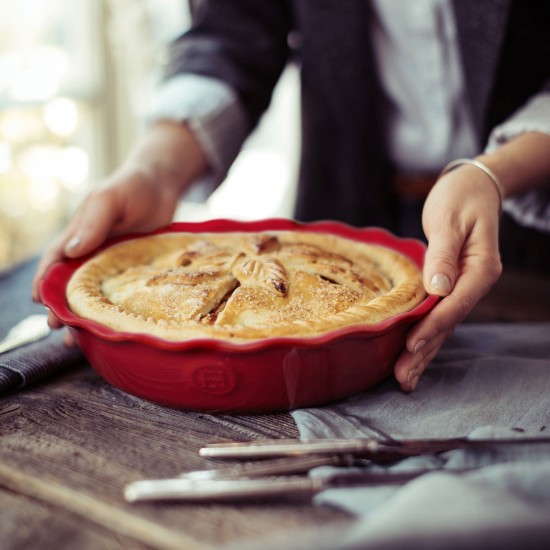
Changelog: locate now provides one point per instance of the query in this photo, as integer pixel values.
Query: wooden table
(69, 445)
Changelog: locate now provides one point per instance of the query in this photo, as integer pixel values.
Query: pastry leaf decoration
(253, 267)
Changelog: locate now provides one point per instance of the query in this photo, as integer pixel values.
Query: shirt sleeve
(531, 209)
(211, 110)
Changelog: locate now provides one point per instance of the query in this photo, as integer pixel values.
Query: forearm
(521, 164)
(170, 155)
(211, 110)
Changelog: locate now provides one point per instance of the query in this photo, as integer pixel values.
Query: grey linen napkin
(35, 362)
(487, 381)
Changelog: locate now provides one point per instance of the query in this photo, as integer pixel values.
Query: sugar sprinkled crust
(241, 286)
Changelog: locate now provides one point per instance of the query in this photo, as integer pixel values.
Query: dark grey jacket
(344, 173)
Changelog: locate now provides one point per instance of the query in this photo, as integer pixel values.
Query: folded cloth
(35, 362)
(487, 381)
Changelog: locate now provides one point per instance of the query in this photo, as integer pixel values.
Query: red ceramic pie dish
(268, 375)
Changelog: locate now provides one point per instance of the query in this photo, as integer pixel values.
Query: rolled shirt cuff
(211, 110)
(531, 209)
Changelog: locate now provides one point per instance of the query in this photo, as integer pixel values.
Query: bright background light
(61, 116)
(75, 78)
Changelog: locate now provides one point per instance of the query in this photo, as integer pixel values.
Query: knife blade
(275, 466)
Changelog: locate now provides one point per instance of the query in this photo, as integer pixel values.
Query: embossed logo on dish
(215, 380)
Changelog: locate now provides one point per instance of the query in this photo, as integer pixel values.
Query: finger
(87, 230)
(479, 267)
(53, 254)
(53, 321)
(429, 334)
(410, 366)
(92, 224)
(447, 314)
(441, 262)
(69, 340)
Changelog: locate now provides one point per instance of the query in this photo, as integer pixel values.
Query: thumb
(441, 264)
(92, 224)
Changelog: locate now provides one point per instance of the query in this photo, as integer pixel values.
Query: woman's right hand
(139, 197)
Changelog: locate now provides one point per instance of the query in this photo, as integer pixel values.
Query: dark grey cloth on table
(34, 362)
(488, 381)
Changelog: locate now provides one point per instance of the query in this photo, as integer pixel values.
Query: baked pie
(242, 286)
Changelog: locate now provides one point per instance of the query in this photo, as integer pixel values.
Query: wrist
(170, 156)
(480, 166)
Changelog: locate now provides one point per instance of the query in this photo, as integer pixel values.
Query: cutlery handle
(212, 490)
(219, 490)
(31, 329)
(14, 342)
(360, 447)
(290, 447)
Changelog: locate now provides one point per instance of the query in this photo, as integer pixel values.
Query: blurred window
(75, 80)
(50, 82)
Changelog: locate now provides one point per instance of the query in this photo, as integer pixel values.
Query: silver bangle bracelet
(459, 162)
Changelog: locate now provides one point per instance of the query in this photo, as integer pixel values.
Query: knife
(264, 487)
(360, 447)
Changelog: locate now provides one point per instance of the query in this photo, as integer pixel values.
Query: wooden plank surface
(67, 449)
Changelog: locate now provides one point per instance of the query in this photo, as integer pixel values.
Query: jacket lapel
(480, 50)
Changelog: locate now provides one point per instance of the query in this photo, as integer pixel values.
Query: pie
(243, 286)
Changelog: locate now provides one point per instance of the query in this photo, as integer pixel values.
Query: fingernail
(414, 382)
(441, 282)
(411, 375)
(73, 243)
(419, 345)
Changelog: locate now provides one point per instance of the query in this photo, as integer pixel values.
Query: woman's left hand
(461, 220)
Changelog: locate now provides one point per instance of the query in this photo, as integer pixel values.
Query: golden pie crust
(242, 286)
